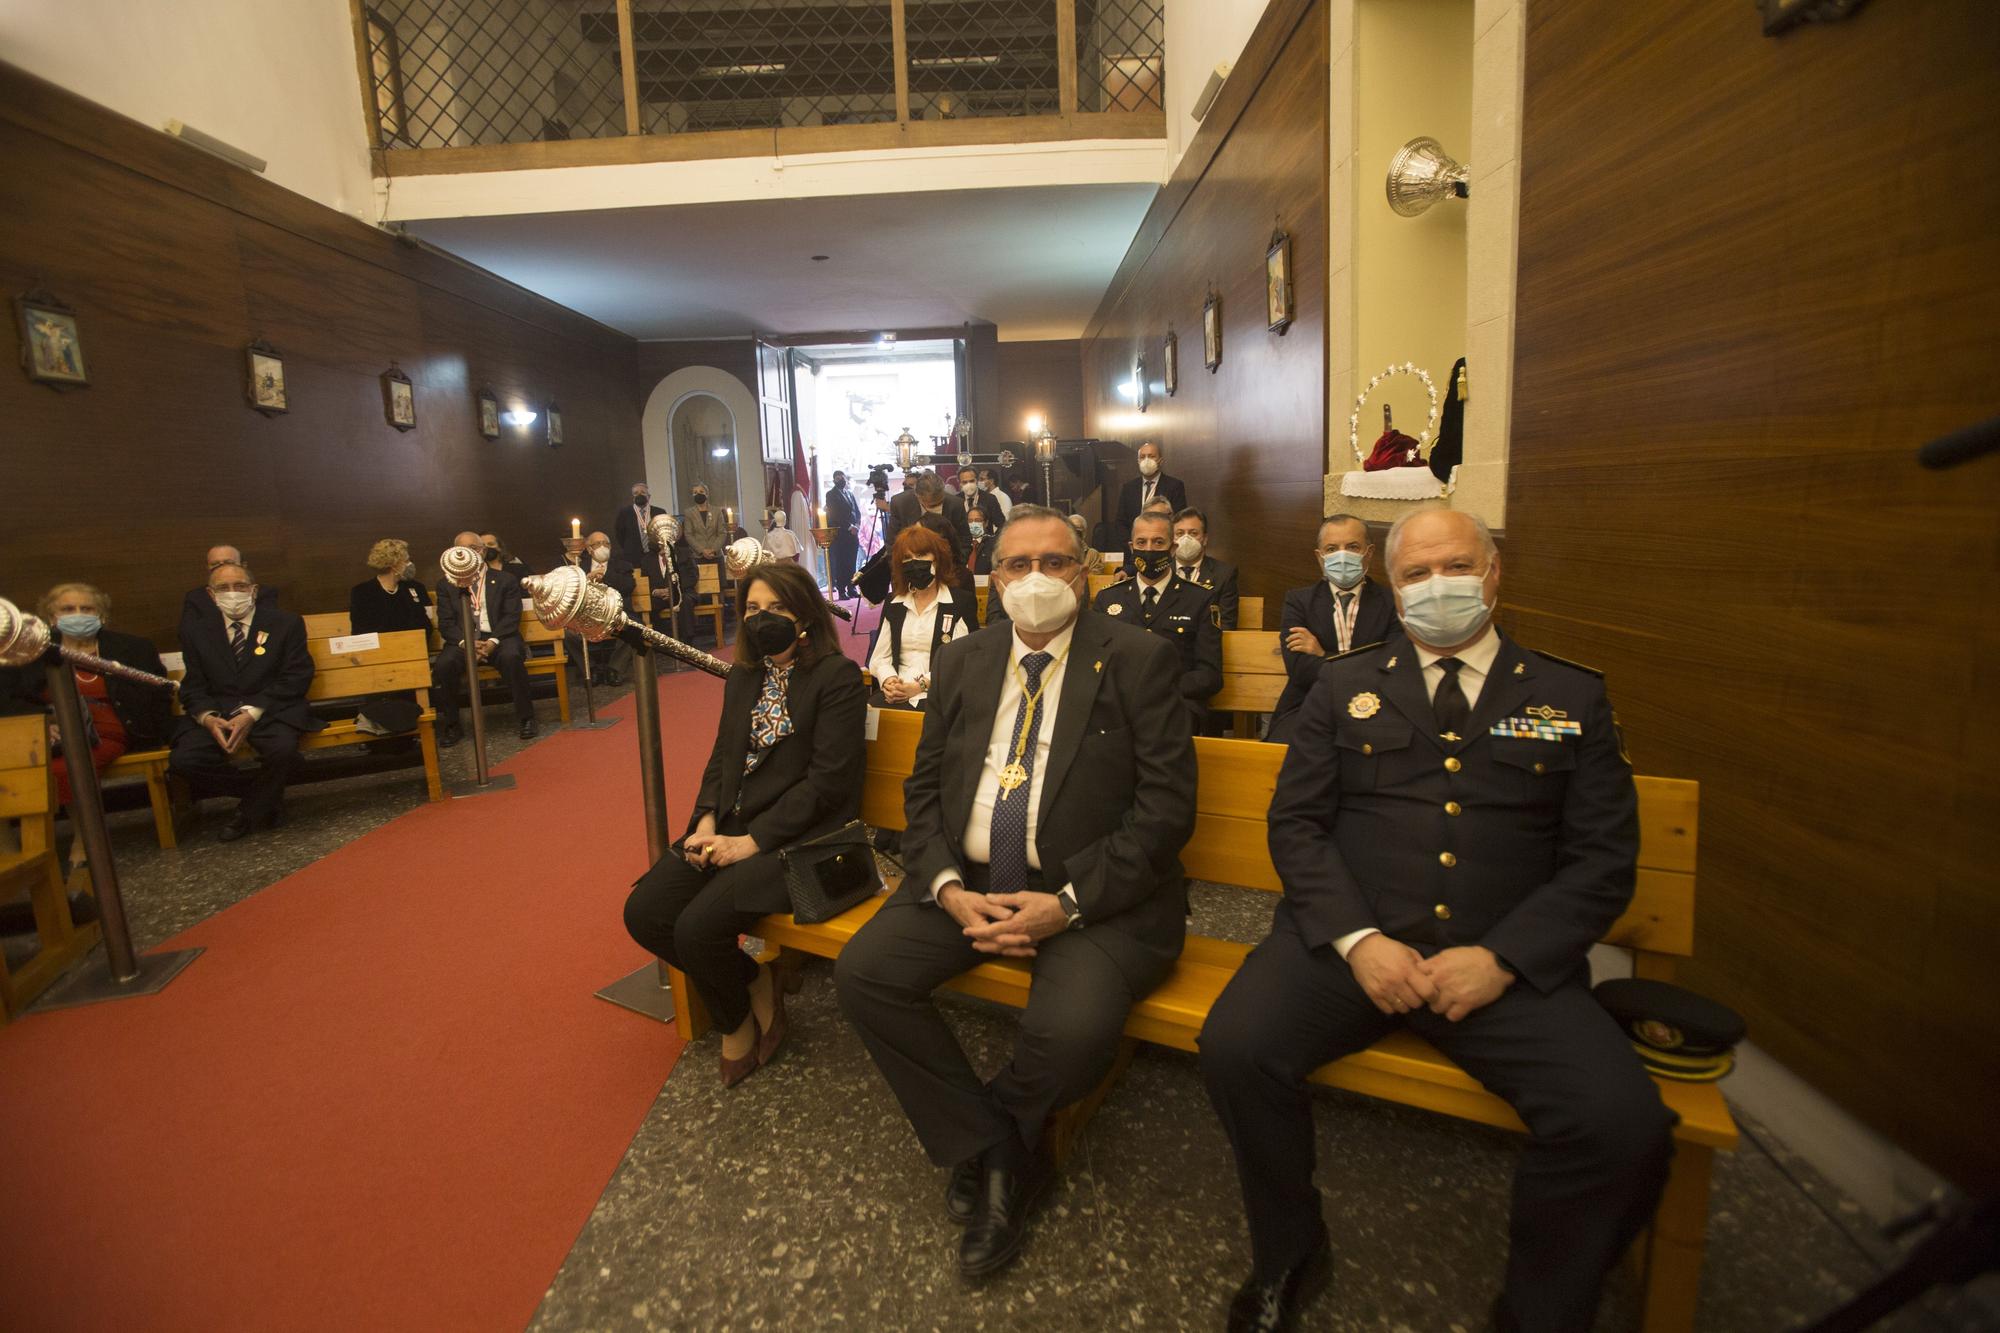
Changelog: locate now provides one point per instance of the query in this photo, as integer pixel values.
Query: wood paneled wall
(174, 261)
(1249, 440)
(1745, 297)
(1044, 377)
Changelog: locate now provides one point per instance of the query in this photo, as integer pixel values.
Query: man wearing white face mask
(248, 670)
(601, 562)
(1151, 484)
(1338, 612)
(1193, 563)
(1053, 789)
(1455, 825)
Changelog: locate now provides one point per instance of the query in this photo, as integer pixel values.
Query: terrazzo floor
(800, 1199)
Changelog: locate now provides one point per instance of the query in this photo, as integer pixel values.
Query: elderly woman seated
(122, 714)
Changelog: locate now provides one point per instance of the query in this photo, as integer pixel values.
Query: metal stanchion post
(574, 546)
(120, 974)
(482, 781)
(649, 990)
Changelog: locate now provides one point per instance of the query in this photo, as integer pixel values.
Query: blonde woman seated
(930, 607)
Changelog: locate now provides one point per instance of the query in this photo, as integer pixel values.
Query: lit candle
(576, 527)
(729, 516)
(822, 515)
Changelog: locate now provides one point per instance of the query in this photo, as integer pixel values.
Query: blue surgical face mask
(1445, 609)
(1343, 569)
(976, 527)
(80, 626)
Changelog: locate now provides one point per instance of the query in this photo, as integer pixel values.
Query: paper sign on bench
(872, 725)
(173, 662)
(353, 643)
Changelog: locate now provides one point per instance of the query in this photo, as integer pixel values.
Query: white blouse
(783, 543)
(918, 626)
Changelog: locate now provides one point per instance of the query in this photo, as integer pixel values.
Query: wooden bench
(641, 602)
(401, 663)
(27, 796)
(534, 635)
(1249, 613)
(1237, 779)
(1253, 677)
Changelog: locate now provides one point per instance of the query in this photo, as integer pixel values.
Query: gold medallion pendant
(1012, 776)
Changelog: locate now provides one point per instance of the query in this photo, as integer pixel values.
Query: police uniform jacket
(274, 675)
(1521, 835)
(1219, 577)
(1374, 621)
(1185, 616)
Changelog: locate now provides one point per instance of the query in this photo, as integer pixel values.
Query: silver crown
(461, 565)
(666, 529)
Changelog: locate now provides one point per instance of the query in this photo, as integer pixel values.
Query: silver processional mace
(25, 639)
(565, 598)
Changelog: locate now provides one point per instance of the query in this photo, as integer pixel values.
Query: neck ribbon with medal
(1016, 773)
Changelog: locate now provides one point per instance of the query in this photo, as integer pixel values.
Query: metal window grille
(501, 71)
(763, 64)
(982, 58)
(1121, 55)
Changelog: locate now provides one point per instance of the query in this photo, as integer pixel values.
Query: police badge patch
(1364, 705)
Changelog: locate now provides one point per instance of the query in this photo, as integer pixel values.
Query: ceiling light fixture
(1421, 173)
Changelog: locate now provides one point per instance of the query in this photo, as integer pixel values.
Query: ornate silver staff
(25, 639)
(746, 553)
(463, 566)
(565, 598)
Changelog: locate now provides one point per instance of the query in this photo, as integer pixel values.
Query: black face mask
(700, 499)
(919, 574)
(1153, 563)
(770, 633)
(642, 500)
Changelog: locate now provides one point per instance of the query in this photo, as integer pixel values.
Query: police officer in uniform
(1183, 613)
(1455, 825)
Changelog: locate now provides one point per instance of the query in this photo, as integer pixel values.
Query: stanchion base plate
(642, 993)
(598, 725)
(95, 982)
(471, 787)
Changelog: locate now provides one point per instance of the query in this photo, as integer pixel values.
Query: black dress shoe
(449, 737)
(961, 1196)
(1006, 1200)
(528, 730)
(237, 827)
(1272, 1307)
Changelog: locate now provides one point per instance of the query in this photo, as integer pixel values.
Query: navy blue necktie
(239, 642)
(1007, 848)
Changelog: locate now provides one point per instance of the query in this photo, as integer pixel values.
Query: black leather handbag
(829, 874)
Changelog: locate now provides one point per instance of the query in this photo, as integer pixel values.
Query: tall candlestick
(729, 516)
(822, 515)
(576, 527)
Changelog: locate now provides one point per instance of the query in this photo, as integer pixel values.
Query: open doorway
(853, 399)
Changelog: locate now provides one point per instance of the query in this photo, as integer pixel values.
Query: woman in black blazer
(786, 767)
(389, 601)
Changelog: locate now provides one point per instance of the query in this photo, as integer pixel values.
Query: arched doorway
(702, 434)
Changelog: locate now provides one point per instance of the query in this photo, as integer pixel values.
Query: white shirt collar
(1478, 657)
(1055, 647)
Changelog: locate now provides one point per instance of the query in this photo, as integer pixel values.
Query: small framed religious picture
(399, 399)
(489, 414)
(1211, 331)
(51, 350)
(1278, 282)
(1141, 391)
(264, 367)
(555, 426)
(1170, 363)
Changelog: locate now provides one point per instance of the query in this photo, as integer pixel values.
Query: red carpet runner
(384, 1097)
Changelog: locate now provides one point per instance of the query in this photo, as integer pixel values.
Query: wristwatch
(1066, 898)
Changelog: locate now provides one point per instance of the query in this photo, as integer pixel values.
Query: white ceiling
(1033, 260)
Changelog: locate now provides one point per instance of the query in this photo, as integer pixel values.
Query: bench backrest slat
(1229, 844)
(24, 766)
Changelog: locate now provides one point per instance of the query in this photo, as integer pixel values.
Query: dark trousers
(1599, 1137)
(210, 772)
(1068, 1036)
(841, 557)
(689, 917)
(510, 659)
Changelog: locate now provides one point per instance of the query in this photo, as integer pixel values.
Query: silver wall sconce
(1421, 173)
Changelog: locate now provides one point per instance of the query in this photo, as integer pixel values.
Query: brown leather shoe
(735, 1071)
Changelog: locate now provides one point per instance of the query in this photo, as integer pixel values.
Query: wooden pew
(709, 599)
(27, 796)
(1249, 613)
(1253, 676)
(534, 635)
(401, 663)
(1237, 780)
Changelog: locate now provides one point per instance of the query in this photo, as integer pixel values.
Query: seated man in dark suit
(496, 642)
(602, 563)
(197, 604)
(1053, 789)
(1455, 825)
(1193, 563)
(1340, 611)
(1151, 484)
(1184, 614)
(247, 673)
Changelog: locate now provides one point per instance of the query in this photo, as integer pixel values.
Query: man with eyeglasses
(1053, 789)
(198, 604)
(1157, 599)
(245, 686)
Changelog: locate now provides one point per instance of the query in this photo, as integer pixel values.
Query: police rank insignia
(1538, 728)
(1364, 705)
